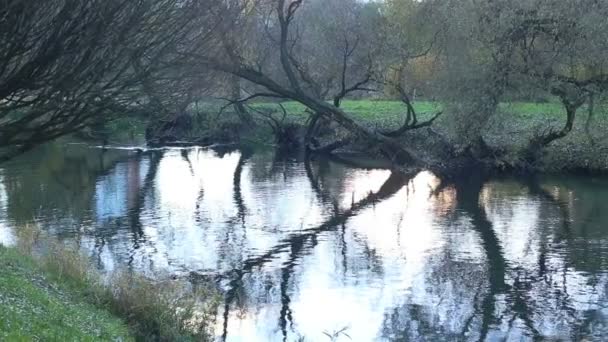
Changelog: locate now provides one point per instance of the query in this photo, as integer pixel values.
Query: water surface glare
(306, 249)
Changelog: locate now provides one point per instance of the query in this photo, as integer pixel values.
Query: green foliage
(511, 129)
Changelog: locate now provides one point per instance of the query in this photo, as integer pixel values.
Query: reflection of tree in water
(259, 171)
(297, 246)
(579, 253)
(321, 192)
(412, 321)
(184, 153)
(581, 200)
(134, 214)
(130, 221)
(469, 204)
(236, 185)
(474, 301)
(232, 245)
(62, 186)
(513, 297)
(282, 166)
(57, 179)
(287, 270)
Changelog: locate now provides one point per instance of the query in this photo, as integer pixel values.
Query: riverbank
(50, 291)
(33, 305)
(585, 149)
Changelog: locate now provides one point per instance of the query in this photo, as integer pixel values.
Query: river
(310, 250)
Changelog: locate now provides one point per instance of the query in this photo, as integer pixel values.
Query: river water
(314, 250)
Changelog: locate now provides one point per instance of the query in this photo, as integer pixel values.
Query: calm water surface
(308, 249)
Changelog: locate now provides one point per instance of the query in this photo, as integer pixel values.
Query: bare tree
(67, 63)
(295, 81)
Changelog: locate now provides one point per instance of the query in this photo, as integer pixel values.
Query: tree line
(67, 64)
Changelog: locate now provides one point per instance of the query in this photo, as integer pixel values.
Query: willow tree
(494, 48)
(65, 64)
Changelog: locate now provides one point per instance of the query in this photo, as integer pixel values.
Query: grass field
(365, 110)
(386, 112)
(382, 113)
(33, 307)
(378, 109)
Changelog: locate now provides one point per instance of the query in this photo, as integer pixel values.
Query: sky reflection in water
(307, 248)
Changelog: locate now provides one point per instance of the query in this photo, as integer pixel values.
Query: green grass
(34, 307)
(527, 110)
(368, 111)
(50, 291)
(387, 113)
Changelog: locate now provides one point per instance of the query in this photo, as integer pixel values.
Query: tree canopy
(68, 63)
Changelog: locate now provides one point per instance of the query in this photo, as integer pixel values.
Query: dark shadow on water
(138, 206)
(468, 203)
(236, 185)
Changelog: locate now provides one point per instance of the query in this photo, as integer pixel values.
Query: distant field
(365, 110)
(527, 109)
(381, 113)
(393, 111)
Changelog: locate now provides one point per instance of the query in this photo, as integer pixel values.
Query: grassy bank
(514, 124)
(510, 129)
(380, 113)
(392, 111)
(525, 117)
(50, 291)
(376, 112)
(33, 306)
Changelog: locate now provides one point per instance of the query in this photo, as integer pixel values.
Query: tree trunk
(309, 143)
(589, 121)
(239, 108)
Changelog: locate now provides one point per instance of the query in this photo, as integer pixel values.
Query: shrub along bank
(51, 292)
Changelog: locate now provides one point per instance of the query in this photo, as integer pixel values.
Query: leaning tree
(65, 64)
(487, 47)
(309, 66)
